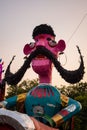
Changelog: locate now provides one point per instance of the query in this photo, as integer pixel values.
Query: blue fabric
(44, 99)
(11, 102)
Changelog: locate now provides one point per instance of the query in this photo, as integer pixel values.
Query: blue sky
(19, 17)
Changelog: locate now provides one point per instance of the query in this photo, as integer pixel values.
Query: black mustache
(43, 51)
(13, 79)
(71, 76)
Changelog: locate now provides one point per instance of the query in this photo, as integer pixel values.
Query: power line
(77, 27)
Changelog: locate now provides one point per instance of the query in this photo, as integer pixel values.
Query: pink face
(41, 63)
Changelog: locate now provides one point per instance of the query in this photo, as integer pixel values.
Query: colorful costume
(44, 102)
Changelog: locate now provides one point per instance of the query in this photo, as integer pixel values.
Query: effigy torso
(43, 100)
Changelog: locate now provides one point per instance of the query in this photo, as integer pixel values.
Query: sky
(68, 19)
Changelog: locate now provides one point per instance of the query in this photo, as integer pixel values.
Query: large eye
(32, 44)
(52, 43)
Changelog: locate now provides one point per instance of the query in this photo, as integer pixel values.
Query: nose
(40, 43)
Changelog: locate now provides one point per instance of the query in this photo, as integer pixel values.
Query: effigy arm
(13, 101)
(70, 108)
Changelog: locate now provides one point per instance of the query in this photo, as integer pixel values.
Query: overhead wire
(77, 28)
(72, 36)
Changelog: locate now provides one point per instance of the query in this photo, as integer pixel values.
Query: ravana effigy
(44, 102)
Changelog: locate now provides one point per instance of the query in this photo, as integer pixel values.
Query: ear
(61, 45)
(26, 49)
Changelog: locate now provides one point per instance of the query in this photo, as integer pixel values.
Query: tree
(74, 90)
(23, 87)
(81, 118)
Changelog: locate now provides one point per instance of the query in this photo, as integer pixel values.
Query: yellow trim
(20, 102)
(21, 97)
(58, 119)
(64, 100)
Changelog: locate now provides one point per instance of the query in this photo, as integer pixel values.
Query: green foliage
(23, 87)
(74, 90)
(81, 118)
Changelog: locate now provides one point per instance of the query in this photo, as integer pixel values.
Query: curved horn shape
(73, 76)
(13, 79)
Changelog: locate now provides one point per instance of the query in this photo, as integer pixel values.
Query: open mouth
(40, 57)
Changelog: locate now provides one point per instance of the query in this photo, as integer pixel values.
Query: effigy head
(42, 53)
(43, 36)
